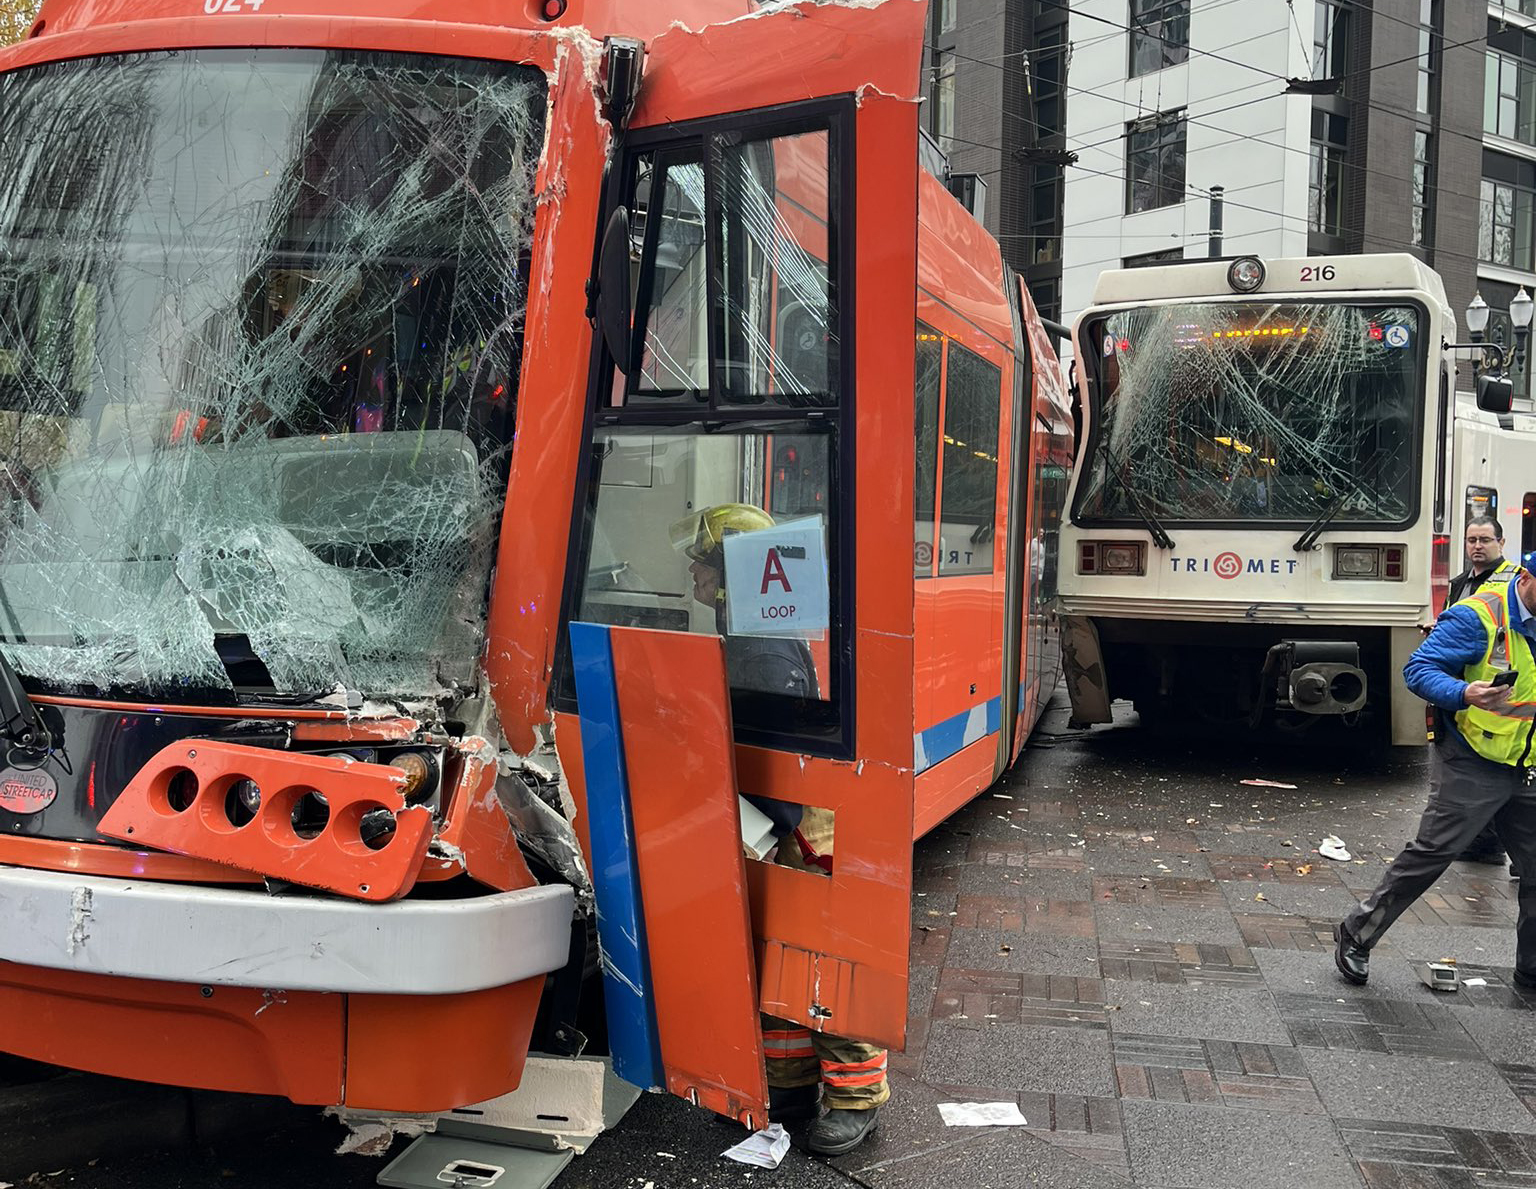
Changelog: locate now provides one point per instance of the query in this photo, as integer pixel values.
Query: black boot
(1352, 958)
(839, 1131)
(794, 1104)
(1494, 858)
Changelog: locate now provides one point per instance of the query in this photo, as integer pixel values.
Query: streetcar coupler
(1314, 677)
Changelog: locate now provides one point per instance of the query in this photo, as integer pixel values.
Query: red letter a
(773, 571)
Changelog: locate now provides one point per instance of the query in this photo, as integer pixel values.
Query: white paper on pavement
(981, 1114)
(765, 1148)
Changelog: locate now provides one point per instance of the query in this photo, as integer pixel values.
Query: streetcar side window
(1481, 501)
(968, 487)
(925, 496)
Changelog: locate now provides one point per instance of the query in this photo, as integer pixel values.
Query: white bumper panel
(214, 936)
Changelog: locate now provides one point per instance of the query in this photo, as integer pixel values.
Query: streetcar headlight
(1112, 557)
(1369, 562)
(1245, 274)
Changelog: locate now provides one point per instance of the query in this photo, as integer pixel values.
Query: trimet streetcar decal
(1231, 565)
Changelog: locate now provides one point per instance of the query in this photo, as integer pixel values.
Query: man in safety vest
(1486, 568)
(1478, 663)
(806, 1069)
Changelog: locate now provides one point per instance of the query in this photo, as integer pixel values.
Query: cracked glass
(261, 317)
(1255, 411)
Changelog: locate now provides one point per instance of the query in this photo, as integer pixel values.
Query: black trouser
(1447, 738)
(1466, 793)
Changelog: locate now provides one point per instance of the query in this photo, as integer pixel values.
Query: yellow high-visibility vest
(1503, 736)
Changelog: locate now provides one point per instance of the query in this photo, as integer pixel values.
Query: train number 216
(1323, 272)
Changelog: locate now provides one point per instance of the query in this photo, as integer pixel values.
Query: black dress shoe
(840, 1131)
(1526, 982)
(1352, 958)
(795, 1104)
(1494, 858)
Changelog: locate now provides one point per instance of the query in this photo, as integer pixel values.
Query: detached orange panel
(675, 711)
(187, 800)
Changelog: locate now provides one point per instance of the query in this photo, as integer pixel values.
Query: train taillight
(1112, 557)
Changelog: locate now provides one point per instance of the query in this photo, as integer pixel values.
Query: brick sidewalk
(1137, 950)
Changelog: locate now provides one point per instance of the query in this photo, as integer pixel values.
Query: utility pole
(1214, 250)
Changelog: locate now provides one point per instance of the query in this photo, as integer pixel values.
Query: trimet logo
(1229, 565)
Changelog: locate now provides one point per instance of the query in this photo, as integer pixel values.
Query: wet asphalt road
(1108, 806)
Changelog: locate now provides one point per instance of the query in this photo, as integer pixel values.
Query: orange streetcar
(452, 451)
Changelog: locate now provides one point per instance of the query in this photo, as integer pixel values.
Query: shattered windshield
(1254, 410)
(260, 326)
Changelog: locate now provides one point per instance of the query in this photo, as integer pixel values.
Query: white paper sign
(981, 1114)
(776, 580)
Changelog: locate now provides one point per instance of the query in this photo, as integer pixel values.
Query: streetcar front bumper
(180, 933)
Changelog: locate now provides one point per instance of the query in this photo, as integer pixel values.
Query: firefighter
(806, 1069)
(1478, 663)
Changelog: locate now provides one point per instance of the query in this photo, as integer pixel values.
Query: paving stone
(1249, 840)
(1325, 898)
(1136, 923)
(1178, 1146)
(1416, 1090)
(998, 1158)
(1198, 1012)
(1111, 864)
(1226, 1073)
(1019, 1057)
(1040, 883)
(1425, 1028)
(1411, 1155)
(1180, 962)
(1505, 1037)
(922, 981)
(1427, 943)
(1304, 972)
(1025, 953)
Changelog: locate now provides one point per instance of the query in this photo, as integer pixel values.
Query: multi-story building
(1331, 126)
(997, 107)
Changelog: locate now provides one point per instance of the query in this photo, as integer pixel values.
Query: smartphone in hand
(1505, 678)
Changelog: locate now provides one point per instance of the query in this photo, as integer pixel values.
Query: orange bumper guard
(193, 799)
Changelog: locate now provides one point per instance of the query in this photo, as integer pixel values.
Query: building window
(1423, 189)
(1330, 40)
(946, 15)
(1159, 34)
(1154, 162)
(1504, 224)
(1523, 7)
(944, 99)
(1325, 197)
(1509, 98)
(1429, 12)
(1148, 259)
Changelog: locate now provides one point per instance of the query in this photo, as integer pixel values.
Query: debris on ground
(762, 1149)
(1332, 847)
(1268, 784)
(981, 1114)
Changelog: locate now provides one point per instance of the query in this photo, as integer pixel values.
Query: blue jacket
(1434, 671)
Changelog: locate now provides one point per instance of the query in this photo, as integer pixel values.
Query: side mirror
(1495, 394)
(615, 313)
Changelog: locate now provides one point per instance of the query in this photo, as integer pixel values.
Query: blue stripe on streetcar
(632, 1035)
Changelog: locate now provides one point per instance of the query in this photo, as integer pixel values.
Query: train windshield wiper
(1313, 531)
(1160, 536)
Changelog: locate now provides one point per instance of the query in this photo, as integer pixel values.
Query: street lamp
(1477, 317)
(1520, 309)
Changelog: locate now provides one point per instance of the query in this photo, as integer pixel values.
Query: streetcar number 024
(1318, 273)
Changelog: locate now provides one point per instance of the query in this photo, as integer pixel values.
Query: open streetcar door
(749, 480)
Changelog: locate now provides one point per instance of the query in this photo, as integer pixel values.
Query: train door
(753, 389)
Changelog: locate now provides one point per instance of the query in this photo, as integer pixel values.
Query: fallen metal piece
(454, 1162)
(1440, 976)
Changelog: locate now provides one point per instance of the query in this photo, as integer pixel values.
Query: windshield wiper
(1160, 536)
(1313, 531)
(19, 720)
